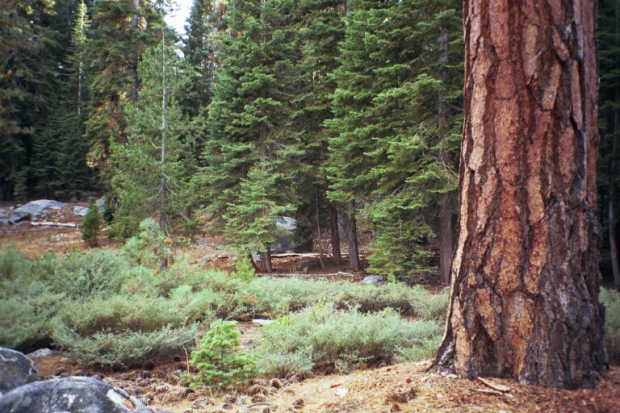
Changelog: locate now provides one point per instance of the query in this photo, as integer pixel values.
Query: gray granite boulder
(80, 211)
(373, 280)
(70, 395)
(15, 370)
(38, 209)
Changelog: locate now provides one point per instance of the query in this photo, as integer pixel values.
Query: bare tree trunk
(349, 225)
(335, 236)
(266, 258)
(446, 208)
(317, 217)
(613, 247)
(525, 276)
(446, 238)
(135, 84)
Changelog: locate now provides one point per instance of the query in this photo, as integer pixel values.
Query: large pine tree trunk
(525, 276)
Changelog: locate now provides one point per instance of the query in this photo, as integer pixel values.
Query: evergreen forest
(322, 110)
(428, 165)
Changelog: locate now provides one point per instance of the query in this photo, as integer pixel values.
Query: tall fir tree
(199, 51)
(391, 154)
(153, 165)
(59, 162)
(249, 114)
(121, 31)
(30, 51)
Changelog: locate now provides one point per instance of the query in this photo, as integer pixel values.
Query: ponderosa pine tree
(249, 113)
(525, 276)
(391, 153)
(153, 165)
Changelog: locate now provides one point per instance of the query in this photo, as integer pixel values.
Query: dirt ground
(398, 388)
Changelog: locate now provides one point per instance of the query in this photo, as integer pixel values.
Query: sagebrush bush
(83, 275)
(24, 318)
(122, 330)
(217, 361)
(126, 349)
(611, 299)
(12, 263)
(325, 338)
(274, 297)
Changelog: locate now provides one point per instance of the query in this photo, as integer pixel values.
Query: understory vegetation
(121, 309)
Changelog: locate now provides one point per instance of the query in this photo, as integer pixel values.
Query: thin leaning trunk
(525, 275)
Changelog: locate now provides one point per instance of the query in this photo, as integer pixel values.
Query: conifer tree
(59, 162)
(199, 51)
(29, 56)
(321, 28)
(249, 115)
(153, 166)
(389, 156)
(120, 33)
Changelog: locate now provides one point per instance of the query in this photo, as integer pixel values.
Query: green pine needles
(91, 226)
(217, 361)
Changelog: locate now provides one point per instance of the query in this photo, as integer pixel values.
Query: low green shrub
(611, 299)
(24, 323)
(123, 330)
(84, 275)
(216, 360)
(276, 297)
(126, 349)
(13, 264)
(327, 339)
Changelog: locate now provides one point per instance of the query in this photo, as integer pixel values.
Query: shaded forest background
(323, 110)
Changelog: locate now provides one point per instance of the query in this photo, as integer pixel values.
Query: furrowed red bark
(525, 276)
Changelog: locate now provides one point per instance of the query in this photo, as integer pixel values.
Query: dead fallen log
(53, 224)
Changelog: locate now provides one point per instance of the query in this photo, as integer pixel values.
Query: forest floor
(398, 388)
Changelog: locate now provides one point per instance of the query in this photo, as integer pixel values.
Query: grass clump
(325, 339)
(216, 360)
(611, 299)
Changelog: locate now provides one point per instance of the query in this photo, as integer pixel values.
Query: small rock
(259, 398)
(227, 406)
(298, 404)
(80, 211)
(262, 322)
(42, 352)
(256, 389)
(230, 398)
(373, 280)
(276, 384)
(395, 408)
